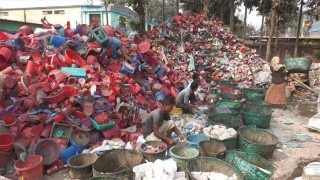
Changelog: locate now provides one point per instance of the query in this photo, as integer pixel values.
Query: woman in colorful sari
(276, 94)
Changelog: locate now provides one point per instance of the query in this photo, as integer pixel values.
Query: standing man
(184, 99)
(158, 125)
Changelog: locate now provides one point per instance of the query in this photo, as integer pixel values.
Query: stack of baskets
(253, 94)
(230, 122)
(257, 116)
(227, 120)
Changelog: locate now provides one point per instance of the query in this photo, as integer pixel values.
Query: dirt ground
(286, 125)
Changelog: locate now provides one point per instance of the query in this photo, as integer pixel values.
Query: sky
(253, 18)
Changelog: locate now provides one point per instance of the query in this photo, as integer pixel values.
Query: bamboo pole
(301, 83)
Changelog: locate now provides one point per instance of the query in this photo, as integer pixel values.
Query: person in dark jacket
(276, 93)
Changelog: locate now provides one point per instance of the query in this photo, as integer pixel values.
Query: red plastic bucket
(5, 55)
(5, 158)
(6, 142)
(31, 169)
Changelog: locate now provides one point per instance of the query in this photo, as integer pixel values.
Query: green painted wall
(13, 26)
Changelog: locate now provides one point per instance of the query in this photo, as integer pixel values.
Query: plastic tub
(182, 154)
(194, 139)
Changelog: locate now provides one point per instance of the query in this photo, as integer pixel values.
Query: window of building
(59, 12)
(4, 13)
(46, 12)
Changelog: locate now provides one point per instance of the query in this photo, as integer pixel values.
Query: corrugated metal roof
(13, 26)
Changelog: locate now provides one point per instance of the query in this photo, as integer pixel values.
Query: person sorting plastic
(158, 126)
(276, 93)
(186, 99)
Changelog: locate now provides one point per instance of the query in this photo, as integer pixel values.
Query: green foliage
(192, 5)
(155, 9)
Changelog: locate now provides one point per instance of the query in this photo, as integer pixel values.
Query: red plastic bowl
(143, 47)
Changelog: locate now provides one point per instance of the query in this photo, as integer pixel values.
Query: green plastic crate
(103, 126)
(75, 72)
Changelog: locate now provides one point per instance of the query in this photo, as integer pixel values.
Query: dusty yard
(288, 124)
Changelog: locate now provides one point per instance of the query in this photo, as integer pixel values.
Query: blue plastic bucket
(70, 152)
(57, 41)
(194, 139)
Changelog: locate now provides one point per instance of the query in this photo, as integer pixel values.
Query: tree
(139, 7)
(249, 4)
(272, 22)
(217, 8)
(232, 11)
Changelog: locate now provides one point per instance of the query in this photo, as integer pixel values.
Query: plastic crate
(75, 72)
(60, 130)
(102, 127)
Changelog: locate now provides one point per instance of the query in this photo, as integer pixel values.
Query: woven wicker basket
(212, 149)
(259, 117)
(208, 164)
(230, 143)
(227, 120)
(230, 96)
(117, 164)
(251, 166)
(258, 141)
